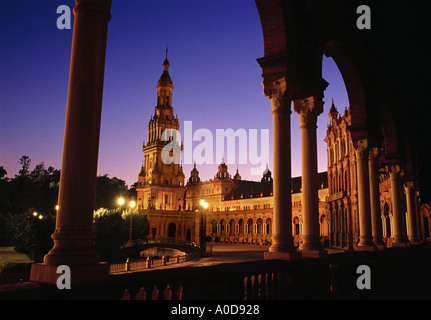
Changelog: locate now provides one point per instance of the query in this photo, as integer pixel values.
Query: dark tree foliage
(108, 190)
(112, 229)
(32, 235)
(37, 191)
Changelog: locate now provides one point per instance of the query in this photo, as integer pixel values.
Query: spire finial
(333, 109)
(166, 52)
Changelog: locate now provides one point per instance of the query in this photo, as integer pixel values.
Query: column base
(400, 244)
(365, 248)
(380, 246)
(293, 255)
(414, 241)
(314, 253)
(46, 273)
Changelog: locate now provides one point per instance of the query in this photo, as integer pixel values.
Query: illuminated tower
(160, 183)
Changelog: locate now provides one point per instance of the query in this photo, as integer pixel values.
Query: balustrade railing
(395, 273)
(142, 264)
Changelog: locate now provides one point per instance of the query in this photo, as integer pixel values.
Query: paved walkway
(9, 255)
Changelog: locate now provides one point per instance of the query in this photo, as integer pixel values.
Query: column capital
(373, 153)
(394, 169)
(276, 91)
(361, 148)
(409, 185)
(308, 109)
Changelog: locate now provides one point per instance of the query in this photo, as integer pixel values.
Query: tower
(222, 172)
(161, 183)
(333, 113)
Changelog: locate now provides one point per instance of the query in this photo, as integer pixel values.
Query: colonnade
(368, 193)
(308, 109)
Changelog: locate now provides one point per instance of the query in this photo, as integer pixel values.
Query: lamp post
(132, 205)
(204, 206)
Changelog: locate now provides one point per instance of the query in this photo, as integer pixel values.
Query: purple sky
(213, 47)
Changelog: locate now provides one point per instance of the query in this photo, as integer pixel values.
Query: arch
(223, 226)
(231, 226)
(354, 86)
(172, 230)
(241, 226)
(259, 226)
(214, 226)
(268, 226)
(250, 226)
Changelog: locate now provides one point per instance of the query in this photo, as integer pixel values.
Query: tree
(108, 191)
(3, 173)
(112, 231)
(32, 234)
(24, 161)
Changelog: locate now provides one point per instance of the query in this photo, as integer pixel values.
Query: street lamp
(204, 206)
(120, 201)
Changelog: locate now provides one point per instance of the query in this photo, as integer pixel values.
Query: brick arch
(296, 34)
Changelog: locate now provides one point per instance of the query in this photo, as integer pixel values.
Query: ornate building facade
(343, 192)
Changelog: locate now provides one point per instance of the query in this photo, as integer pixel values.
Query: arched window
(223, 226)
(231, 226)
(268, 226)
(213, 226)
(259, 224)
(250, 226)
(241, 226)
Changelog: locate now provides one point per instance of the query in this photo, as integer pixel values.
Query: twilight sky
(213, 47)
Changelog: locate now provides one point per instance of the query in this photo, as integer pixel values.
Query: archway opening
(172, 230)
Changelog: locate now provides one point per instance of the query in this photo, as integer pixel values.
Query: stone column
(376, 219)
(365, 231)
(308, 109)
(73, 236)
(282, 240)
(411, 212)
(399, 233)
